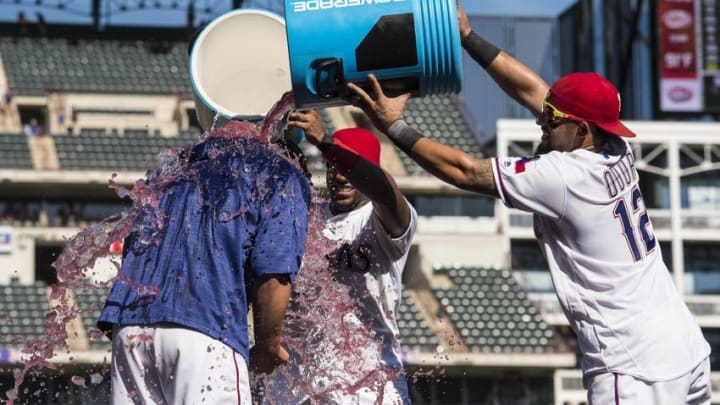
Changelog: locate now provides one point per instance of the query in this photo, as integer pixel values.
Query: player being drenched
(639, 342)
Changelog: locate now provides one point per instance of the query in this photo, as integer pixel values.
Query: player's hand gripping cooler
(409, 45)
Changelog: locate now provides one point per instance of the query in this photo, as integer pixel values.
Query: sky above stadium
(78, 11)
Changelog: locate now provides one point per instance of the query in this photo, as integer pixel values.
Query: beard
(542, 148)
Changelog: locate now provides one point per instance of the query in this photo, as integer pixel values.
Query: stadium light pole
(96, 14)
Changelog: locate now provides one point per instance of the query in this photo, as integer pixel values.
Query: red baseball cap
(359, 141)
(591, 97)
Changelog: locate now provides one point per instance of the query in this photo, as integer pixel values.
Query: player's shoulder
(537, 164)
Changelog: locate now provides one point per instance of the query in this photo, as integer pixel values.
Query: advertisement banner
(680, 81)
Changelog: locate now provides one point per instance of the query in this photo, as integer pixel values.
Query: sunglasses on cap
(553, 117)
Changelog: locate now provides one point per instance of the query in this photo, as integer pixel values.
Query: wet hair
(607, 142)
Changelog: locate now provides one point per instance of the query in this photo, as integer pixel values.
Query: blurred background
(95, 87)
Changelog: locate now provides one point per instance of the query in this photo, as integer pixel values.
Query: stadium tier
(414, 329)
(23, 309)
(97, 150)
(486, 306)
(493, 314)
(90, 301)
(34, 66)
(14, 152)
(57, 73)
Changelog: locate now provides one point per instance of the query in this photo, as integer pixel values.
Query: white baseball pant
(286, 386)
(166, 365)
(692, 388)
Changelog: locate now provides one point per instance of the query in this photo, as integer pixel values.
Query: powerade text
(315, 5)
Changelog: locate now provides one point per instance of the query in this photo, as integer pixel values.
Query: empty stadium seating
(22, 313)
(98, 150)
(24, 308)
(34, 66)
(15, 152)
(492, 313)
(414, 331)
(91, 301)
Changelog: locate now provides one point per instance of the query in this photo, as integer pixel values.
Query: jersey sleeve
(533, 184)
(279, 244)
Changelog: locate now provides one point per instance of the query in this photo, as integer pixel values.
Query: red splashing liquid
(329, 353)
(334, 355)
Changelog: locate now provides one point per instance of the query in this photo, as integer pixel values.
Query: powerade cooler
(409, 45)
(239, 67)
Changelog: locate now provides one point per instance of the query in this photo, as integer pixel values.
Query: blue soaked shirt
(237, 212)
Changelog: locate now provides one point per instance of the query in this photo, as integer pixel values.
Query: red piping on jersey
(617, 389)
(237, 378)
(502, 183)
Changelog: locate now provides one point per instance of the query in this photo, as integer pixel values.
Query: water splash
(333, 353)
(330, 352)
(83, 250)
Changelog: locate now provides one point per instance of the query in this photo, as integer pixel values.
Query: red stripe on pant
(237, 379)
(617, 389)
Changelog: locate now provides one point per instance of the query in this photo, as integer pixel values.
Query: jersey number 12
(639, 217)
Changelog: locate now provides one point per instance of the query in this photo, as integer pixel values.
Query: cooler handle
(328, 77)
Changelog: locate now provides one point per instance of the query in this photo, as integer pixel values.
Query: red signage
(677, 35)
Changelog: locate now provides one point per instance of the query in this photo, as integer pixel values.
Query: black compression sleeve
(403, 135)
(480, 49)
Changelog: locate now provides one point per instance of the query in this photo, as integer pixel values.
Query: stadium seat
(33, 65)
(414, 331)
(492, 312)
(90, 301)
(15, 152)
(135, 150)
(23, 309)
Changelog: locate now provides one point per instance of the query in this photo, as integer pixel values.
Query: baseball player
(233, 233)
(639, 342)
(373, 225)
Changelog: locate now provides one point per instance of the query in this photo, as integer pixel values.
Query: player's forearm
(272, 294)
(455, 167)
(515, 78)
(370, 180)
(519, 82)
(381, 189)
(442, 161)
(448, 164)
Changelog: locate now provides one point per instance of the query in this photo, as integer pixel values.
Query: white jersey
(618, 295)
(371, 262)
